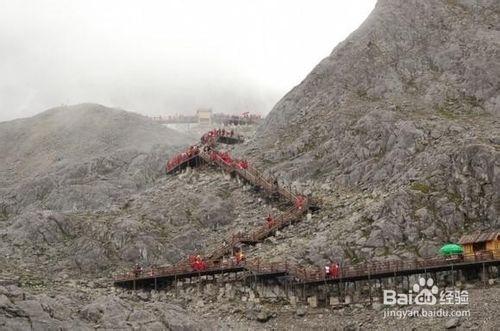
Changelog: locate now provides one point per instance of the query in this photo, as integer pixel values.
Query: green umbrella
(450, 249)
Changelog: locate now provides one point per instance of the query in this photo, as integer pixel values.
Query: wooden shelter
(480, 243)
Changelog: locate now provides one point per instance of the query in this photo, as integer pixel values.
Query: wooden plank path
(215, 264)
(154, 277)
(393, 268)
(253, 176)
(206, 153)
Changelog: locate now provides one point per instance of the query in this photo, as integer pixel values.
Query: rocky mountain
(398, 130)
(69, 177)
(80, 157)
(84, 195)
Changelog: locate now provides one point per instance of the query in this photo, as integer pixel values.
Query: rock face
(22, 311)
(80, 157)
(407, 56)
(177, 216)
(402, 121)
(103, 206)
(62, 168)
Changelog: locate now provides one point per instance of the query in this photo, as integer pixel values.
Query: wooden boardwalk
(297, 275)
(215, 260)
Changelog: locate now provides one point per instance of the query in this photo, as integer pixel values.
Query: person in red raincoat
(334, 270)
(299, 202)
(197, 263)
(239, 257)
(270, 221)
(137, 270)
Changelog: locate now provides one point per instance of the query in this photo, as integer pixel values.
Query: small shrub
(424, 188)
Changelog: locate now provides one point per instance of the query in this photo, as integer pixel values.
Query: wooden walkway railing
(305, 275)
(390, 267)
(181, 270)
(215, 264)
(213, 259)
(171, 168)
(254, 177)
(283, 220)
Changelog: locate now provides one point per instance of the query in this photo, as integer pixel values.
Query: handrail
(252, 175)
(310, 274)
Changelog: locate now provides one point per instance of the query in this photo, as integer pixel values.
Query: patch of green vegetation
(456, 198)
(30, 281)
(469, 224)
(224, 194)
(349, 252)
(464, 106)
(446, 114)
(433, 66)
(366, 232)
(267, 162)
(424, 188)
(367, 220)
(4, 215)
(317, 173)
(126, 205)
(415, 250)
(361, 93)
(473, 101)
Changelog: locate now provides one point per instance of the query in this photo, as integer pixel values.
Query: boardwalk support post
(370, 287)
(452, 276)
(484, 275)
(176, 286)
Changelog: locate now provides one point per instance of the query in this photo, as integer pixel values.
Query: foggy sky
(164, 57)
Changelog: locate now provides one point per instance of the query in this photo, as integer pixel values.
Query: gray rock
(143, 295)
(373, 115)
(301, 311)
(452, 323)
(264, 316)
(4, 301)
